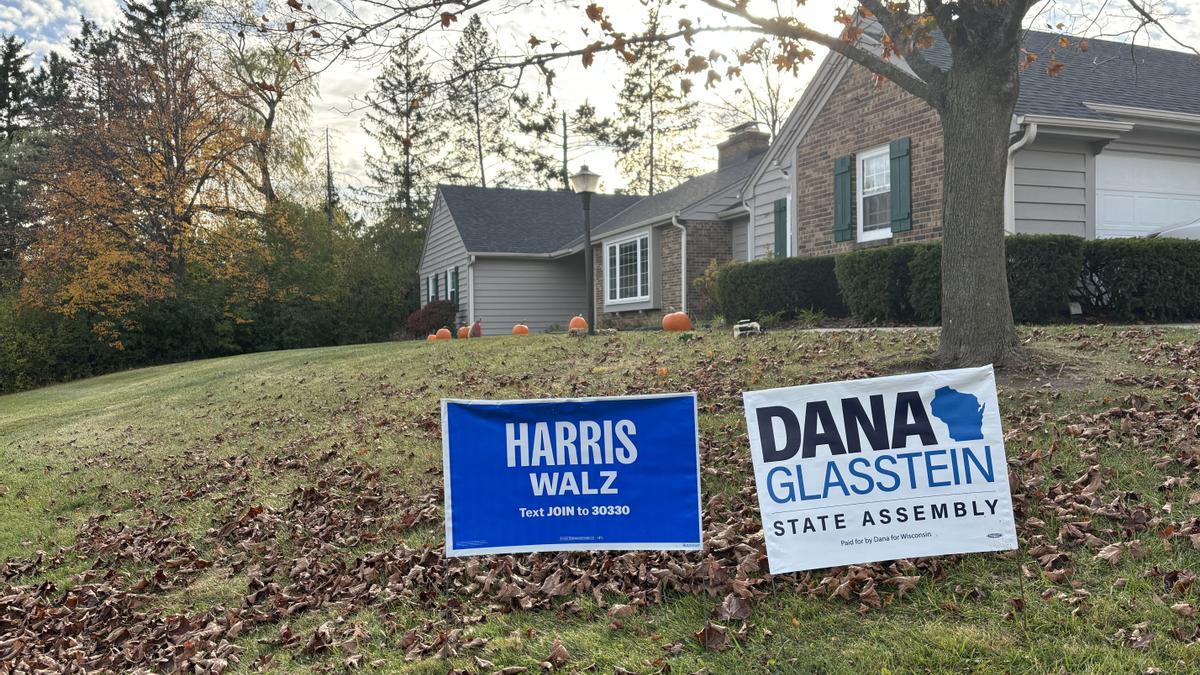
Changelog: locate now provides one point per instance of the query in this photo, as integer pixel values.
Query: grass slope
(201, 443)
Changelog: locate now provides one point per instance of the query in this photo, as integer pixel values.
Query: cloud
(48, 25)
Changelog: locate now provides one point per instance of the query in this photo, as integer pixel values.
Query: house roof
(1113, 73)
(506, 220)
(818, 90)
(685, 195)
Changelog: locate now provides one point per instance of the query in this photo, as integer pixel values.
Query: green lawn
(289, 503)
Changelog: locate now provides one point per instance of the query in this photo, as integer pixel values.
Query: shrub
(1135, 279)
(875, 283)
(1042, 271)
(925, 287)
(778, 286)
(434, 315)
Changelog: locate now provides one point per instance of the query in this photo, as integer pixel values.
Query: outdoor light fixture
(585, 183)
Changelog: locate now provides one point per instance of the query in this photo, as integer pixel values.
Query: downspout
(471, 289)
(682, 261)
(750, 230)
(1010, 180)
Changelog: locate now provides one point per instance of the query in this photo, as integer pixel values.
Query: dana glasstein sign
(584, 474)
(879, 469)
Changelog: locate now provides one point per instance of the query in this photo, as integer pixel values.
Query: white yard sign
(880, 469)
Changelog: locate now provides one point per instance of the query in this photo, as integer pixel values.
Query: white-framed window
(874, 194)
(627, 269)
(451, 284)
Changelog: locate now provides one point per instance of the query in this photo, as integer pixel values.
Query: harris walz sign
(879, 469)
(587, 474)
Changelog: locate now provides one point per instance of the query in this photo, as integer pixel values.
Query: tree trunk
(975, 103)
(479, 138)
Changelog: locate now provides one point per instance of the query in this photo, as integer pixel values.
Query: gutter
(682, 261)
(528, 256)
(1010, 180)
(1081, 126)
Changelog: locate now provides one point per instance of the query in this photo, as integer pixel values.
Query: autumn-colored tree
(136, 169)
(267, 76)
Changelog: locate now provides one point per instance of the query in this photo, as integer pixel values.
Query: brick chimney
(745, 142)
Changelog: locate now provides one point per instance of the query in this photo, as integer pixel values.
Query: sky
(47, 25)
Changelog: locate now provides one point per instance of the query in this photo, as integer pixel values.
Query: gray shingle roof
(691, 191)
(505, 220)
(1113, 73)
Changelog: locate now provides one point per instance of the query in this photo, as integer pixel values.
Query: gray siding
(444, 249)
(537, 292)
(772, 186)
(1051, 188)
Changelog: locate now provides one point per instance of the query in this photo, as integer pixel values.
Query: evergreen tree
(408, 118)
(157, 20)
(480, 114)
(16, 106)
(52, 83)
(16, 90)
(653, 129)
(553, 139)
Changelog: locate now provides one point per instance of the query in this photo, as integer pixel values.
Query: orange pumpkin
(430, 337)
(464, 332)
(676, 321)
(520, 329)
(578, 324)
(443, 334)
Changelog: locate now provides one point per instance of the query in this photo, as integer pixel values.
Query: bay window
(627, 269)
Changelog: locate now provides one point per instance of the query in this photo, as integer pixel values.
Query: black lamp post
(585, 183)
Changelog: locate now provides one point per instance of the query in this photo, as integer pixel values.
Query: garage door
(1137, 194)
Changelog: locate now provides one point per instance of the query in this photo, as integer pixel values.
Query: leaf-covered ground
(282, 512)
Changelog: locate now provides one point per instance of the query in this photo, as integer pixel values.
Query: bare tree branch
(790, 29)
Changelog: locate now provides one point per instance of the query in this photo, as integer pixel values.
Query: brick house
(1110, 148)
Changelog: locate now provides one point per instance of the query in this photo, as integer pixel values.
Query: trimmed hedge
(1042, 271)
(875, 283)
(1141, 279)
(925, 289)
(784, 286)
(1114, 279)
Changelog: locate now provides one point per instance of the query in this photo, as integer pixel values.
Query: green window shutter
(901, 176)
(843, 198)
(781, 225)
(454, 295)
(428, 294)
(435, 287)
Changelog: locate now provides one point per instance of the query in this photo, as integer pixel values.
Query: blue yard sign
(584, 474)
